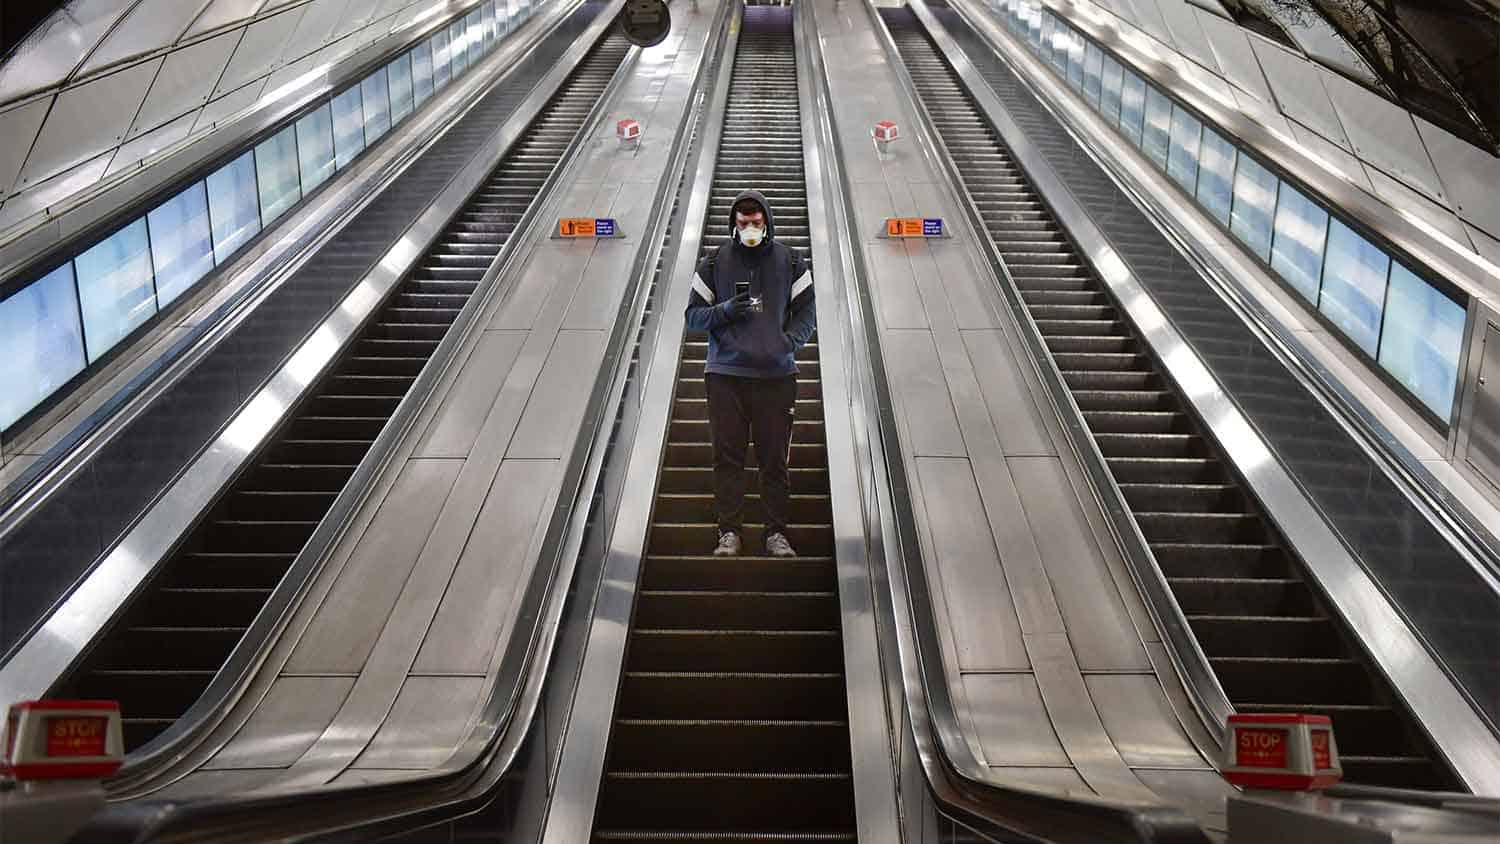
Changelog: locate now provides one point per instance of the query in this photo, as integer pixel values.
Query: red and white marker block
(628, 131)
(62, 739)
(1291, 752)
(885, 131)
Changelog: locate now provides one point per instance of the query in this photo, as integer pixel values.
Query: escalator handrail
(955, 778)
(512, 706)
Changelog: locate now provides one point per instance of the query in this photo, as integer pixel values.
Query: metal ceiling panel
(1340, 160)
(151, 25)
(1211, 6)
(1298, 87)
(284, 75)
(1321, 41)
(1470, 176)
(223, 13)
(1236, 60)
(316, 27)
(1148, 17)
(389, 7)
(151, 143)
(228, 105)
(51, 52)
(1123, 9)
(1488, 246)
(1408, 201)
(52, 191)
(357, 15)
(260, 49)
(18, 128)
(1382, 133)
(186, 79)
(87, 120)
(1182, 21)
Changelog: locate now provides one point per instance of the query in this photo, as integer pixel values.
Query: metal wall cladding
(100, 74)
(1368, 139)
(1436, 588)
(58, 544)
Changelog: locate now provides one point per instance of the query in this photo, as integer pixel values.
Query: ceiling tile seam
(67, 81)
(136, 115)
(166, 48)
(31, 148)
(244, 28)
(74, 79)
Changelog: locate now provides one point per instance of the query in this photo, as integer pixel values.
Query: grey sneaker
(729, 544)
(777, 546)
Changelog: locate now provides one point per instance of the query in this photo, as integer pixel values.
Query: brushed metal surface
(1453, 723)
(1484, 435)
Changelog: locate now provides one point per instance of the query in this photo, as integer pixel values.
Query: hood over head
(759, 198)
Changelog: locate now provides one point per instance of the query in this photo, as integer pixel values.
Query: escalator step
(744, 573)
(739, 745)
(794, 651)
(696, 610)
(725, 801)
(748, 695)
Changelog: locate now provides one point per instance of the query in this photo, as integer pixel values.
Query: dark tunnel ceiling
(1438, 58)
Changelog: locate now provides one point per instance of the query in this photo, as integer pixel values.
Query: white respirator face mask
(752, 235)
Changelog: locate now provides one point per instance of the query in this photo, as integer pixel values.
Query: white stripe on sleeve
(703, 289)
(801, 284)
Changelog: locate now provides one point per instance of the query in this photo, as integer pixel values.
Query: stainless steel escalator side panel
(531, 667)
(959, 782)
(570, 812)
(160, 530)
(1459, 733)
(870, 721)
(46, 656)
(195, 738)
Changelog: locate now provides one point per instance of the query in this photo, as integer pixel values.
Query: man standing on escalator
(754, 297)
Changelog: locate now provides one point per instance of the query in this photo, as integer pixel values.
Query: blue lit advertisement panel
(1422, 339)
(181, 242)
(1297, 251)
(233, 205)
(115, 287)
(41, 341)
(1354, 285)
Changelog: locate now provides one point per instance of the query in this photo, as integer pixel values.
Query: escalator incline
(1272, 643)
(731, 721)
(160, 655)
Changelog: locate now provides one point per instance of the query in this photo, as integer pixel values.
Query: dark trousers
(736, 408)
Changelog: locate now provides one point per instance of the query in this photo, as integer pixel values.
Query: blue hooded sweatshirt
(741, 342)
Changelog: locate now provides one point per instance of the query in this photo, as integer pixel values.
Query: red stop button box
(1295, 752)
(885, 131)
(628, 130)
(62, 739)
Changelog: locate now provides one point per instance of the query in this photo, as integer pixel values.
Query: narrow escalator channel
(1272, 643)
(161, 654)
(731, 722)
